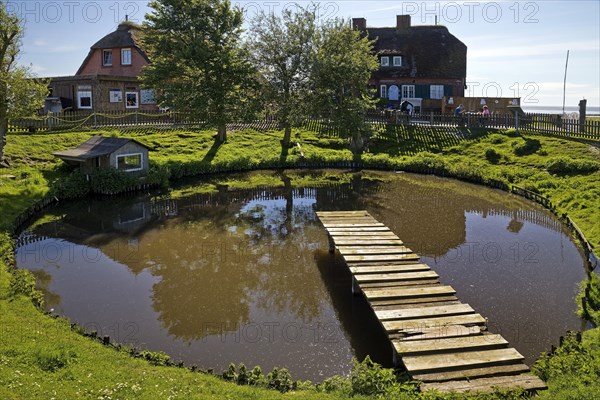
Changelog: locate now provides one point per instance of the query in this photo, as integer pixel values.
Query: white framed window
(383, 91)
(385, 61)
(130, 162)
(126, 56)
(436, 91)
(115, 95)
(397, 61)
(147, 96)
(107, 58)
(84, 97)
(131, 100)
(408, 91)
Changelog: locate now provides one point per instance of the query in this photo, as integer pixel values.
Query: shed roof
(95, 146)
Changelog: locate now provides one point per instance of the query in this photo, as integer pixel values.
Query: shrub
(155, 357)
(529, 146)
(22, 282)
(280, 379)
(72, 186)
(111, 180)
(492, 155)
(568, 166)
(369, 378)
(53, 360)
(591, 310)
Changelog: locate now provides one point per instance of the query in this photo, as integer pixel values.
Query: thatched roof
(127, 35)
(428, 51)
(94, 147)
(124, 36)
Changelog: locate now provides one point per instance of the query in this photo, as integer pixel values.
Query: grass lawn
(41, 357)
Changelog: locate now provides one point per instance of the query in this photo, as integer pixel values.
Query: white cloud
(40, 42)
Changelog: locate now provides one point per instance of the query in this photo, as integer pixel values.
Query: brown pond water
(245, 276)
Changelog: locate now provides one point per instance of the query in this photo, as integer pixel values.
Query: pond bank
(466, 158)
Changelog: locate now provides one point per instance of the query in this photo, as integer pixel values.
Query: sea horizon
(542, 109)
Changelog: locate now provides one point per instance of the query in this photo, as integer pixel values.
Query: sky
(515, 48)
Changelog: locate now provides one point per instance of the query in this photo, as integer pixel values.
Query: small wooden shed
(124, 154)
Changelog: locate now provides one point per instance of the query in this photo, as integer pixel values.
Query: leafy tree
(198, 63)
(282, 49)
(340, 79)
(20, 94)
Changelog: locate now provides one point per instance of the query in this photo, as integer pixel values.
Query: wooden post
(394, 356)
(582, 116)
(355, 287)
(331, 244)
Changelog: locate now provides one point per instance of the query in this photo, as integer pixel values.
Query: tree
(340, 79)
(20, 94)
(282, 49)
(198, 63)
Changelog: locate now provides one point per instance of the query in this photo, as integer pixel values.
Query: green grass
(41, 357)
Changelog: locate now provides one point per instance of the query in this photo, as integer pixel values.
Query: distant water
(558, 109)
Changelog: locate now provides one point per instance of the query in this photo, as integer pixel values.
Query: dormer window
(397, 61)
(125, 56)
(107, 58)
(385, 61)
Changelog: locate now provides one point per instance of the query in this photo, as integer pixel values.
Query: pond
(245, 275)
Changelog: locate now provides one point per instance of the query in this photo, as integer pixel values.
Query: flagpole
(565, 83)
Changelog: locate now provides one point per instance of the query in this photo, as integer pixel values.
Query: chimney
(359, 24)
(402, 22)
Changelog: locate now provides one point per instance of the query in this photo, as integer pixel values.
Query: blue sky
(515, 48)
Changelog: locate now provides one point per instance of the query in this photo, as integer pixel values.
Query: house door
(393, 93)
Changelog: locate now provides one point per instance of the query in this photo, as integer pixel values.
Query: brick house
(108, 79)
(421, 64)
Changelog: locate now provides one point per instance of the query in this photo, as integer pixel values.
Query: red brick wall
(94, 64)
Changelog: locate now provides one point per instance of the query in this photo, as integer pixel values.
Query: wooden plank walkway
(440, 341)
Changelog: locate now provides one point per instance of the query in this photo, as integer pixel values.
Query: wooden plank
(449, 331)
(421, 323)
(438, 290)
(420, 312)
(401, 276)
(368, 242)
(390, 257)
(342, 213)
(404, 306)
(350, 250)
(381, 235)
(337, 225)
(469, 373)
(366, 229)
(389, 268)
(443, 345)
(455, 360)
(523, 381)
(410, 301)
(391, 284)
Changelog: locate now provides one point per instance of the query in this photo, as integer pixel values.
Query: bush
(111, 180)
(22, 282)
(156, 357)
(72, 186)
(369, 378)
(529, 146)
(492, 155)
(53, 360)
(568, 166)
(591, 310)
